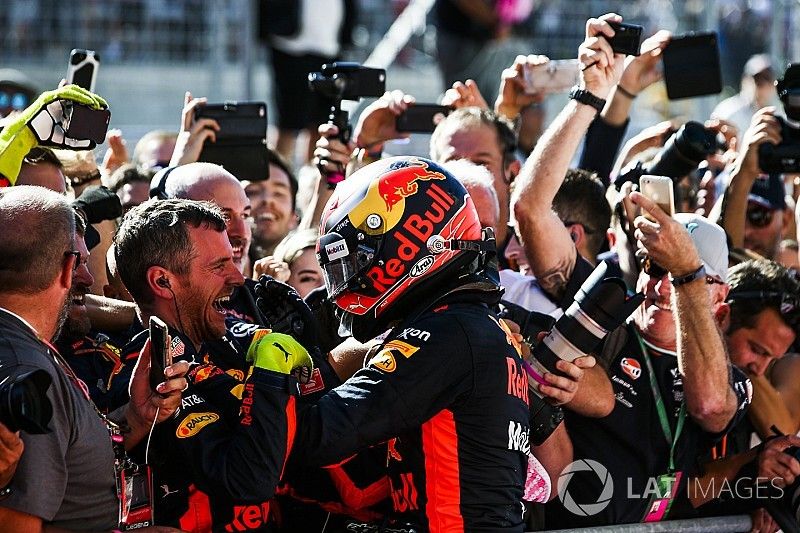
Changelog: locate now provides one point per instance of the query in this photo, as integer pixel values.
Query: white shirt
(526, 292)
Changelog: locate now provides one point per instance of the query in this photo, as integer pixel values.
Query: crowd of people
(430, 343)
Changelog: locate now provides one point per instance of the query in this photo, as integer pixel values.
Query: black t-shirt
(630, 443)
(451, 19)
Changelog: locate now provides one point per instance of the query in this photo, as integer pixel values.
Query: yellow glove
(278, 352)
(41, 123)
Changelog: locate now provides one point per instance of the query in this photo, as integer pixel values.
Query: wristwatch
(585, 97)
(700, 273)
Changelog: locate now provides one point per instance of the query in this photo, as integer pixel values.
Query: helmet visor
(338, 273)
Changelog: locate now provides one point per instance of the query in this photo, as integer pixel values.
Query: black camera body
(24, 404)
(784, 157)
(681, 154)
(348, 81)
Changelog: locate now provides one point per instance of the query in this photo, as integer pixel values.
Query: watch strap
(700, 273)
(585, 97)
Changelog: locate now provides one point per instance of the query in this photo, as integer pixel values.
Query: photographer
(66, 478)
(753, 206)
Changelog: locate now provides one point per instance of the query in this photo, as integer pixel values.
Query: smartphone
(627, 38)
(241, 145)
(82, 68)
(692, 65)
(82, 122)
(558, 76)
(160, 354)
(422, 118)
(660, 190)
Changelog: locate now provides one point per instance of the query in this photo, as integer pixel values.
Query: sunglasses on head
(760, 217)
(788, 302)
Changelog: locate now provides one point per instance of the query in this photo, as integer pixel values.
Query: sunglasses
(788, 302)
(77, 262)
(656, 271)
(760, 217)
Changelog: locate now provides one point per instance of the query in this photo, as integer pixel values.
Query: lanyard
(661, 410)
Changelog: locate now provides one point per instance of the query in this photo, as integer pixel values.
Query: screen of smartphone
(422, 118)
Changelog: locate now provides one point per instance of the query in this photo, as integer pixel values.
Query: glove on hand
(98, 204)
(279, 353)
(41, 123)
(286, 311)
(327, 322)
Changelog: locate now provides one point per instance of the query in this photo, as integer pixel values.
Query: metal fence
(154, 50)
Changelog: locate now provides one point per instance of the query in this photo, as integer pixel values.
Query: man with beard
(66, 477)
(212, 183)
(94, 356)
(216, 466)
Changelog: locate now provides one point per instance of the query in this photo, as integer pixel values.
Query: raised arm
(548, 245)
(702, 359)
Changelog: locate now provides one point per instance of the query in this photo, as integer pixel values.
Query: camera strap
(134, 481)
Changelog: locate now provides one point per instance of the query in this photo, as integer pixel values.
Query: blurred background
(152, 51)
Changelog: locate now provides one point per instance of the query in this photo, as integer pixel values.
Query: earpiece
(573, 236)
(163, 282)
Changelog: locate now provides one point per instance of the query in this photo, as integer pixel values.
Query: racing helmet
(392, 236)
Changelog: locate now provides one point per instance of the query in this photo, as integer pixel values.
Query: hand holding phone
(660, 190)
(160, 353)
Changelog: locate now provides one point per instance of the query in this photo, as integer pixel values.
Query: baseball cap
(710, 241)
(768, 191)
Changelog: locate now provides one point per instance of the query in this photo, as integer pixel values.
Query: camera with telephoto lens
(601, 305)
(785, 507)
(785, 157)
(24, 404)
(681, 154)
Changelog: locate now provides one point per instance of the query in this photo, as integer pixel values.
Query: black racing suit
(447, 391)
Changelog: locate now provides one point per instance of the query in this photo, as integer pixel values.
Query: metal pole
(248, 46)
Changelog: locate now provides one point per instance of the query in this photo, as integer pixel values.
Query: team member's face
(305, 273)
(273, 215)
(211, 279)
(753, 349)
(78, 323)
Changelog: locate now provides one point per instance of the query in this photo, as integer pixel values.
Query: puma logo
(281, 348)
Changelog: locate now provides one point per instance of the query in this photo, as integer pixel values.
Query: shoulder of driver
(451, 338)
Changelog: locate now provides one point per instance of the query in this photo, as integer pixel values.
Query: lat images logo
(585, 509)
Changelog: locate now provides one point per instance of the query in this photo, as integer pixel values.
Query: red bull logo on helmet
(402, 183)
(384, 203)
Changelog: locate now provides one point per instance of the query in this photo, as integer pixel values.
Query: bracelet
(626, 92)
(81, 180)
(700, 273)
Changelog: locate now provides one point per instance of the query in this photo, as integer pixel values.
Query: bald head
(190, 182)
(212, 183)
(38, 227)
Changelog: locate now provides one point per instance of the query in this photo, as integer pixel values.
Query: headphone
(158, 185)
(163, 282)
